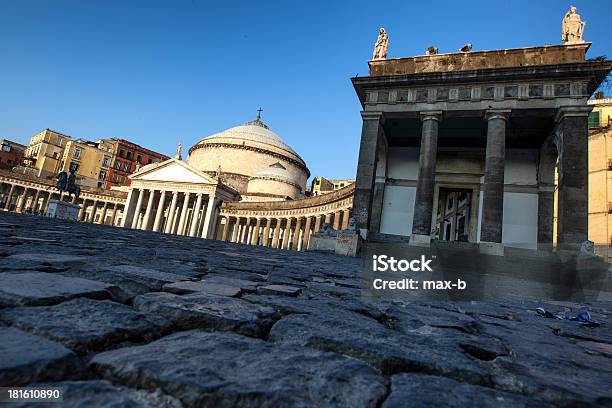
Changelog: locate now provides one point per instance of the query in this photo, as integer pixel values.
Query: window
(594, 119)
(139, 158)
(74, 165)
(6, 148)
(102, 175)
(121, 152)
(105, 161)
(77, 153)
(126, 167)
(59, 141)
(129, 155)
(149, 161)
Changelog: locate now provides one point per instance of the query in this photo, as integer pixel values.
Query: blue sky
(160, 73)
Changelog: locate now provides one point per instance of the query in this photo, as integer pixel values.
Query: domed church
(248, 163)
(254, 161)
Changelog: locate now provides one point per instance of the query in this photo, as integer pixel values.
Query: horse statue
(67, 182)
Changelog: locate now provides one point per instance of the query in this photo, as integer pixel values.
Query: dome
(249, 152)
(253, 131)
(276, 171)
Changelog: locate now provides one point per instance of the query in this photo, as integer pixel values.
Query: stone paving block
(42, 261)
(148, 276)
(425, 391)
(282, 290)
(374, 342)
(86, 325)
(26, 358)
(229, 370)
(187, 287)
(245, 285)
(209, 312)
(41, 288)
(92, 394)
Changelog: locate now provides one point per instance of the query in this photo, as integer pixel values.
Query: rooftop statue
(179, 152)
(572, 28)
(382, 43)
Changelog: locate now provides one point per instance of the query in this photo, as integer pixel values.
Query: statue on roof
(572, 27)
(179, 152)
(382, 43)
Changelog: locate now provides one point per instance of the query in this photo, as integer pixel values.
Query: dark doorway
(453, 217)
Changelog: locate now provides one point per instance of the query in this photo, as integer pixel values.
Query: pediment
(173, 170)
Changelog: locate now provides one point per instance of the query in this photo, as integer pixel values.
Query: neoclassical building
(465, 146)
(243, 185)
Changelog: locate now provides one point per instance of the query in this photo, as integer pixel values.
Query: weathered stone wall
(516, 57)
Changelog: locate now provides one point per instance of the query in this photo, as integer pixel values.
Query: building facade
(91, 160)
(127, 159)
(11, 154)
(45, 152)
(600, 172)
(321, 185)
(464, 146)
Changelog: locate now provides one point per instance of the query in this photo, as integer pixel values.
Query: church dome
(247, 151)
(275, 181)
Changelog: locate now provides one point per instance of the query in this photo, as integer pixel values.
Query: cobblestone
(88, 306)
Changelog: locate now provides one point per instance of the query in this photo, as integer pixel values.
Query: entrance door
(453, 214)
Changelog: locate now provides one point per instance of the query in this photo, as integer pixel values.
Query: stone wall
(516, 57)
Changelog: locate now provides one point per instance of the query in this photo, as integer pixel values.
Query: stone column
(149, 209)
(266, 233)
(136, 214)
(306, 233)
(318, 220)
(296, 234)
(195, 218)
(572, 137)
(336, 224)
(276, 235)
(372, 135)
(225, 229)
(127, 208)
(21, 200)
(255, 236)
(209, 217)
(235, 230)
(346, 214)
(160, 211)
(181, 226)
(94, 209)
(286, 233)
(426, 180)
(170, 220)
(82, 211)
(34, 206)
(546, 193)
(103, 215)
(114, 217)
(10, 197)
(493, 190)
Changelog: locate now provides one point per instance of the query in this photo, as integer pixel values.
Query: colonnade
(172, 212)
(291, 231)
(33, 198)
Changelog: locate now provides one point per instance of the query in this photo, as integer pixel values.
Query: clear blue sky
(160, 73)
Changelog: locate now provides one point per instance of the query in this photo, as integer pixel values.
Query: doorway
(453, 214)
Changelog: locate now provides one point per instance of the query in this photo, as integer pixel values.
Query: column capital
(431, 115)
(491, 114)
(572, 111)
(373, 115)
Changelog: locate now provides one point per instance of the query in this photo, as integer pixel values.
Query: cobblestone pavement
(130, 318)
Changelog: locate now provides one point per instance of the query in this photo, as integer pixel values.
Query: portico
(174, 198)
(463, 147)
